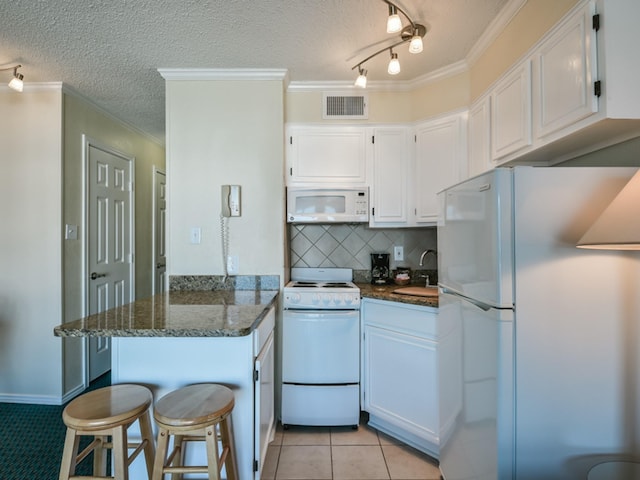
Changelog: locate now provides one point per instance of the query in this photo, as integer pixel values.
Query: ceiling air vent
(345, 106)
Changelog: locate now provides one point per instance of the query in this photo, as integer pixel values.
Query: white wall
(30, 245)
(225, 132)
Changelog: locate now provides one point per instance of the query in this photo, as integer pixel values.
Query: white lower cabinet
(399, 372)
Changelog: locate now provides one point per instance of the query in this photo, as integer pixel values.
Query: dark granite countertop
(385, 292)
(220, 313)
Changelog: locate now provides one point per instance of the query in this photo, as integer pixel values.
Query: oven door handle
(321, 313)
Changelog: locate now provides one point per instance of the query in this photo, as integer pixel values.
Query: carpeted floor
(32, 437)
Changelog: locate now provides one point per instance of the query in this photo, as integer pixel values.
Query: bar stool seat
(105, 412)
(195, 413)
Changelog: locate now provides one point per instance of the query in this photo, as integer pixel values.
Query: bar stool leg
(120, 453)
(211, 441)
(146, 433)
(68, 464)
(100, 457)
(161, 454)
(226, 434)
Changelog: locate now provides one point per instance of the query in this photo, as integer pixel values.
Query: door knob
(95, 275)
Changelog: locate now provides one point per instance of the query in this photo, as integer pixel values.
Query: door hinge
(256, 375)
(255, 465)
(595, 22)
(597, 88)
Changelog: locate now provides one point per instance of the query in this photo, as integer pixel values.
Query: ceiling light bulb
(16, 82)
(361, 81)
(415, 46)
(394, 65)
(394, 24)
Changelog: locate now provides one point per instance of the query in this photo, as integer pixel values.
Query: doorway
(109, 273)
(159, 231)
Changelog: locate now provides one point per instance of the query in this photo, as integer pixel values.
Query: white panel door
(109, 242)
(159, 231)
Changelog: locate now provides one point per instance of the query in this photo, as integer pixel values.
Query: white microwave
(327, 205)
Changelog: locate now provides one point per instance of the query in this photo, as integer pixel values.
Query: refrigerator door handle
(481, 305)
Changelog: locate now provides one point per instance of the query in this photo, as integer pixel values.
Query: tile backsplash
(350, 245)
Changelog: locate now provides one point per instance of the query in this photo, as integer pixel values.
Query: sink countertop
(219, 313)
(385, 292)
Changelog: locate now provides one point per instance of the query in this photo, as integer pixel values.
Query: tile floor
(341, 453)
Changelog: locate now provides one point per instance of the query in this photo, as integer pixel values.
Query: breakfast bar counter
(184, 337)
(218, 313)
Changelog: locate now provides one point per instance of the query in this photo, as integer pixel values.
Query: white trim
(495, 28)
(32, 399)
(189, 74)
(154, 226)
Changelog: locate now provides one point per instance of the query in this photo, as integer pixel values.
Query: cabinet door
(400, 381)
(479, 137)
(511, 112)
(390, 173)
(440, 148)
(326, 155)
(264, 414)
(565, 74)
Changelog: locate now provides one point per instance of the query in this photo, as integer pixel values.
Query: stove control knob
(348, 299)
(326, 298)
(315, 298)
(293, 297)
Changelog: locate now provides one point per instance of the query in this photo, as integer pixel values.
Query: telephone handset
(230, 207)
(230, 201)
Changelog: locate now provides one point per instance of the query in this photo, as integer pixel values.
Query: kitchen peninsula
(192, 336)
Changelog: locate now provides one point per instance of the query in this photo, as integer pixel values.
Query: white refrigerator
(541, 377)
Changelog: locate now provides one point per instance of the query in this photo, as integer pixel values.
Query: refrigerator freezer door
(475, 240)
(476, 391)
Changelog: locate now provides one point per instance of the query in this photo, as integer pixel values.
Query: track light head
(394, 64)
(394, 23)
(16, 82)
(361, 81)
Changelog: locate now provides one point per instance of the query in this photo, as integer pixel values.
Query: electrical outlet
(232, 265)
(398, 253)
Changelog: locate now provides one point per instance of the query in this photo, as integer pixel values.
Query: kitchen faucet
(424, 254)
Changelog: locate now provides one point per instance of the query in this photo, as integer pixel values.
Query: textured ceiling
(110, 50)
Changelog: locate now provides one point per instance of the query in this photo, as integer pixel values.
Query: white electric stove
(321, 348)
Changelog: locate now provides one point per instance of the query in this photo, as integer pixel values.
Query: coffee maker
(380, 268)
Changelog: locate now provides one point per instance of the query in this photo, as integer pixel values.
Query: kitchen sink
(418, 291)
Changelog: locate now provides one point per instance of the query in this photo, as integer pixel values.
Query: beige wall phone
(230, 207)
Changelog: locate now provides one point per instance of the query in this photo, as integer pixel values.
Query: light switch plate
(196, 235)
(71, 232)
(398, 253)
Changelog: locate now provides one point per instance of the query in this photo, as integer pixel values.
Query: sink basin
(418, 291)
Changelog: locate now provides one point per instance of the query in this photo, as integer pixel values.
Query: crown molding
(495, 28)
(189, 74)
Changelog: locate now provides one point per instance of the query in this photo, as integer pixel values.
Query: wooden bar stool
(195, 413)
(105, 412)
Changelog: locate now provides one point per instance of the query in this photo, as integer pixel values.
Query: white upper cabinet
(390, 171)
(479, 137)
(440, 159)
(576, 90)
(326, 155)
(511, 112)
(565, 70)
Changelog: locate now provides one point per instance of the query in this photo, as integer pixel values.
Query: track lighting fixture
(412, 34)
(361, 81)
(16, 82)
(394, 64)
